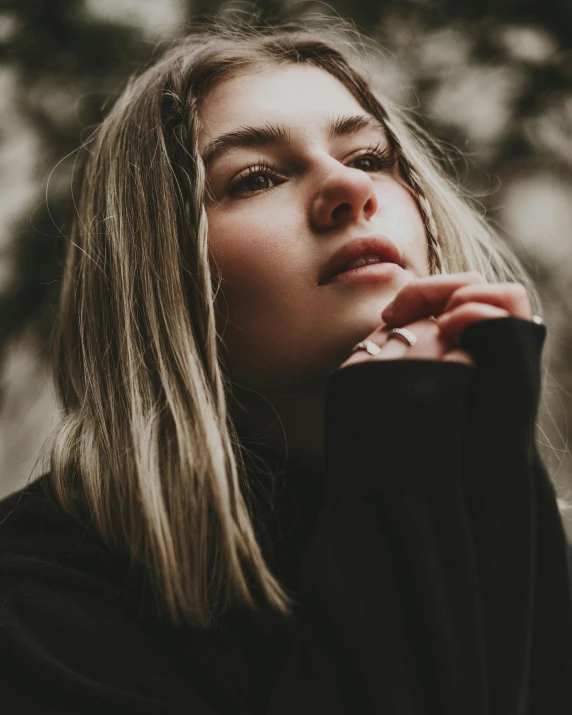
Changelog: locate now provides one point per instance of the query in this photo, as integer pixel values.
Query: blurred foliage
(68, 61)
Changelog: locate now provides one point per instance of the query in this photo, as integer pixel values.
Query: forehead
(300, 95)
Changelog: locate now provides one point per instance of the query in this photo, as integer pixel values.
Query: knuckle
(466, 308)
(475, 276)
(518, 290)
(463, 291)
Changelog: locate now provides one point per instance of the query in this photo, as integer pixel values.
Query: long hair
(147, 443)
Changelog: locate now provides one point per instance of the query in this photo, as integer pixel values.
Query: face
(281, 206)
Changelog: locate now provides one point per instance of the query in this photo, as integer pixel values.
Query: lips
(373, 245)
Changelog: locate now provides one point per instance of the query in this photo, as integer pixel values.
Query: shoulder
(33, 523)
(42, 548)
(76, 620)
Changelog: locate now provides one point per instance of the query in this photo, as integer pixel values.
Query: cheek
(244, 251)
(407, 221)
(406, 205)
(263, 295)
(259, 266)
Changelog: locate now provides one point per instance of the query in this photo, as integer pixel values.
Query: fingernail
(388, 310)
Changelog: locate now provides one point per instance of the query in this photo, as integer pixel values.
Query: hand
(458, 300)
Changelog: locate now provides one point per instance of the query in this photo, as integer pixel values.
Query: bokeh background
(491, 80)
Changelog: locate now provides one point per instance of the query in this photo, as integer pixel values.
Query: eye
(253, 180)
(379, 157)
(256, 178)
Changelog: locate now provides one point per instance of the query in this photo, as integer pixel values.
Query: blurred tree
(65, 65)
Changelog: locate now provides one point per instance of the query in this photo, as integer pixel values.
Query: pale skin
(277, 213)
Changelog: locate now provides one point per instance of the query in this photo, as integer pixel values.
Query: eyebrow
(280, 136)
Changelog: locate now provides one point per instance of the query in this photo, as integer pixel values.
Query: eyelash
(385, 156)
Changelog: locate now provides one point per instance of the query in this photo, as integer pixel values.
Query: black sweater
(429, 564)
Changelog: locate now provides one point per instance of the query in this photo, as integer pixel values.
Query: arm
(390, 591)
(439, 601)
(521, 547)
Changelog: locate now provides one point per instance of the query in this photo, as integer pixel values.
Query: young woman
(297, 469)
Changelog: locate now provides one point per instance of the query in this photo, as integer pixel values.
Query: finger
(455, 321)
(460, 356)
(513, 297)
(390, 350)
(426, 296)
(429, 345)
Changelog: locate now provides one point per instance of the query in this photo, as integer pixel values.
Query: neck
(292, 425)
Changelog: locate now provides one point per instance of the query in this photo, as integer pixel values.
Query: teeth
(363, 260)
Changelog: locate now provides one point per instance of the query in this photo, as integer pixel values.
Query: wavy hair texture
(147, 443)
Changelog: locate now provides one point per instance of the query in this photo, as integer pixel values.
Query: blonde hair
(147, 443)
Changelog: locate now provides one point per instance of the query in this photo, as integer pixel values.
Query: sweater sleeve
(392, 614)
(520, 542)
(437, 579)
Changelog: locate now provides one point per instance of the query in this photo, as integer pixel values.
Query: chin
(363, 322)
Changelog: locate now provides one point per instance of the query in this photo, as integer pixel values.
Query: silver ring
(368, 345)
(410, 338)
(537, 319)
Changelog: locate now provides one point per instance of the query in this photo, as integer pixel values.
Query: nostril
(370, 207)
(341, 210)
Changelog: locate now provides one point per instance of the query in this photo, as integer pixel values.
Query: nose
(345, 195)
